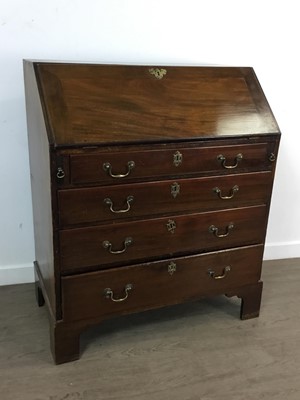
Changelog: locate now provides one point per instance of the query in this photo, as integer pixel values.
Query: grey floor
(198, 351)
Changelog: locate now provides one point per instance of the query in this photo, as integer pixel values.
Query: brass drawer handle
(107, 245)
(109, 203)
(108, 293)
(222, 159)
(213, 229)
(108, 168)
(60, 174)
(233, 191)
(212, 273)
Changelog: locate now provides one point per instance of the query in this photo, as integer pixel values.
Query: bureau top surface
(88, 104)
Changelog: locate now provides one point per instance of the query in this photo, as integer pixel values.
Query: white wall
(262, 34)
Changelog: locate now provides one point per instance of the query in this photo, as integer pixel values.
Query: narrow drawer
(116, 167)
(92, 205)
(137, 240)
(145, 286)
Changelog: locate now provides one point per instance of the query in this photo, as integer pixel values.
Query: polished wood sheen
(154, 286)
(87, 205)
(148, 190)
(187, 103)
(151, 238)
(157, 163)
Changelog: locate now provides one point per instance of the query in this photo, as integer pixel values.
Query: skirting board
(281, 251)
(23, 273)
(14, 274)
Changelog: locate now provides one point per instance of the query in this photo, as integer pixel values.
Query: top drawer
(116, 167)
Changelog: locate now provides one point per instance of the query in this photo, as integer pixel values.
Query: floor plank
(198, 351)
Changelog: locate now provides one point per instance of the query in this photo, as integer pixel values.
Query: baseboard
(14, 274)
(280, 251)
(24, 273)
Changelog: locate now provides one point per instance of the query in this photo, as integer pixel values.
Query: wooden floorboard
(198, 351)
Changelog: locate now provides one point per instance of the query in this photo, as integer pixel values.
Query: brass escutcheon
(175, 189)
(158, 73)
(171, 225)
(172, 268)
(177, 158)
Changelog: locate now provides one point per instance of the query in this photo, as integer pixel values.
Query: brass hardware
(107, 245)
(222, 159)
(172, 268)
(60, 173)
(212, 273)
(177, 158)
(175, 189)
(213, 229)
(234, 190)
(108, 293)
(108, 168)
(171, 225)
(272, 157)
(158, 72)
(109, 203)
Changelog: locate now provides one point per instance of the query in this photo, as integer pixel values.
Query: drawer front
(92, 205)
(117, 167)
(157, 284)
(131, 241)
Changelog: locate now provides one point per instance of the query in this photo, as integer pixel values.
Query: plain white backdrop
(257, 33)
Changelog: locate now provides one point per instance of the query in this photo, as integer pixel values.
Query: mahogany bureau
(151, 187)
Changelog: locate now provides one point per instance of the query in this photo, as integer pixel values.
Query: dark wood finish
(83, 247)
(251, 299)
(86, 205)
(65, 341)
(187, 103)
(159, 163)
(153, 286)
(40, 171)
(174, 129)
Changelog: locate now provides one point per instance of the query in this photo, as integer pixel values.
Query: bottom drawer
(151, 285)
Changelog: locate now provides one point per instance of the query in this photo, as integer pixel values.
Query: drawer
(116, 167)
(96, 204)
(119, 243)
(145, 286)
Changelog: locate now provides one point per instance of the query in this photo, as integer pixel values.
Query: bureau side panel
(39, 155)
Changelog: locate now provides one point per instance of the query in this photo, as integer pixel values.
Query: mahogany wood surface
(187, 103)
(195, 128)
(153, 286)
(151, 238)
(87, 205)
(160, 163)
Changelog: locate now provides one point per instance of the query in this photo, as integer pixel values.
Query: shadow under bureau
(150, 187)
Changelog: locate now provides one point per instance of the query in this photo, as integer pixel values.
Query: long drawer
(137, 240)
(140, 287)
(112, 167)
(92, 205)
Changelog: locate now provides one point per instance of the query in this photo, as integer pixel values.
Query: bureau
(151, 186)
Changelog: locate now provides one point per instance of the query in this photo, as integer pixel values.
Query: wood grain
(87, 205)
(83, 247)
(125, 104)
